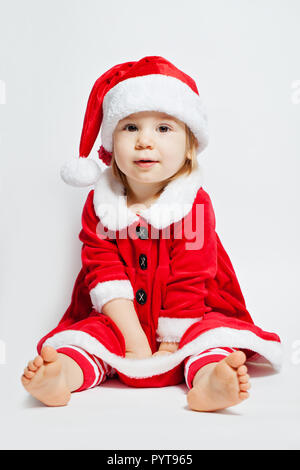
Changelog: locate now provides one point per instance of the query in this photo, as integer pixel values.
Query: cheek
(182, 141)
(122, 144)
(175, 147)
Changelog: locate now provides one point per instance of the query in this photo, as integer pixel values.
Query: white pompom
(80, 172)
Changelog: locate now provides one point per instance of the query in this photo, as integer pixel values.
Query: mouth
(145, 163)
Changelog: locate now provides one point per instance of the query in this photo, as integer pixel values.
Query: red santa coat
(170, 261)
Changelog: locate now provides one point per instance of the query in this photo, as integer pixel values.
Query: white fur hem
(143, 368)
(106, 291)
(172, 329)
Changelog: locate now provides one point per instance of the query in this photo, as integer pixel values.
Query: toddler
(156, 302)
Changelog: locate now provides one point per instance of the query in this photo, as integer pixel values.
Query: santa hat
(150, 84)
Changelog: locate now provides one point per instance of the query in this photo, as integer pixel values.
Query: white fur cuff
(171, 330)
(106, 291)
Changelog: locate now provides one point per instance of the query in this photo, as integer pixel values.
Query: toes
(243, 395)
(31, 366)
(24, 380)
(28, 373)
(236, 359)
(245, 387)
(242, 370)
(49, 354)
(38, 361)
(244, 378)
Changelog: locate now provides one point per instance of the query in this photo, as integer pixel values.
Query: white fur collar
(174, 203)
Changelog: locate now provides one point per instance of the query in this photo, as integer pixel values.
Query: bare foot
(220, 385)
(44, 378)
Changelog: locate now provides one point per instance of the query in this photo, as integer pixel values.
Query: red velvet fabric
(179, 284)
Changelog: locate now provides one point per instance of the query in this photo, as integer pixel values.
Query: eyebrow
(164, 116)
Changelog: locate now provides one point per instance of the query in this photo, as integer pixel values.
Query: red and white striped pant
(96, 371)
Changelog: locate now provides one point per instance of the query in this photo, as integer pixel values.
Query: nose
(144, 140)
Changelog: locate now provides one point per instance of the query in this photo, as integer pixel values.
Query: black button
(142, 232)
(143, 261)
(141, 296)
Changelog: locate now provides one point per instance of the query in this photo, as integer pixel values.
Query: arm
(193, 261)
(105, 271)
(110, 289)
(123, 313)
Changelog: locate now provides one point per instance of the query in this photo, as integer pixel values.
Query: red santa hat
(150, 84)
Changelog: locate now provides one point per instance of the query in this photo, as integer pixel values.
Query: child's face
(149, 135)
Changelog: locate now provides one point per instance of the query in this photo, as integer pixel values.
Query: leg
(54, 374)
(94, 370)
(218, 378)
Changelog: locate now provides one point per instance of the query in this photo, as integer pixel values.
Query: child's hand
(138, 354)
(166, 348)
(162, 353)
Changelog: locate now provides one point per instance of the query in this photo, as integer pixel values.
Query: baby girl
(157, 301)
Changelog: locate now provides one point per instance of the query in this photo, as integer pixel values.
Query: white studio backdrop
(244, 56)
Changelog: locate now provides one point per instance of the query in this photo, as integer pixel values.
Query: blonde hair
(190, 164)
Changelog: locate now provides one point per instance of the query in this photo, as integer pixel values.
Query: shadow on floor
(260, 370)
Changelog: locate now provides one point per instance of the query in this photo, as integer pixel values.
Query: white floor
(114, 416)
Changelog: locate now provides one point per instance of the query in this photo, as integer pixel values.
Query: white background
(244, 56)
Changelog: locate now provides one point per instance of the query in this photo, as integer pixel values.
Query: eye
(129, 125)
(164, 127)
